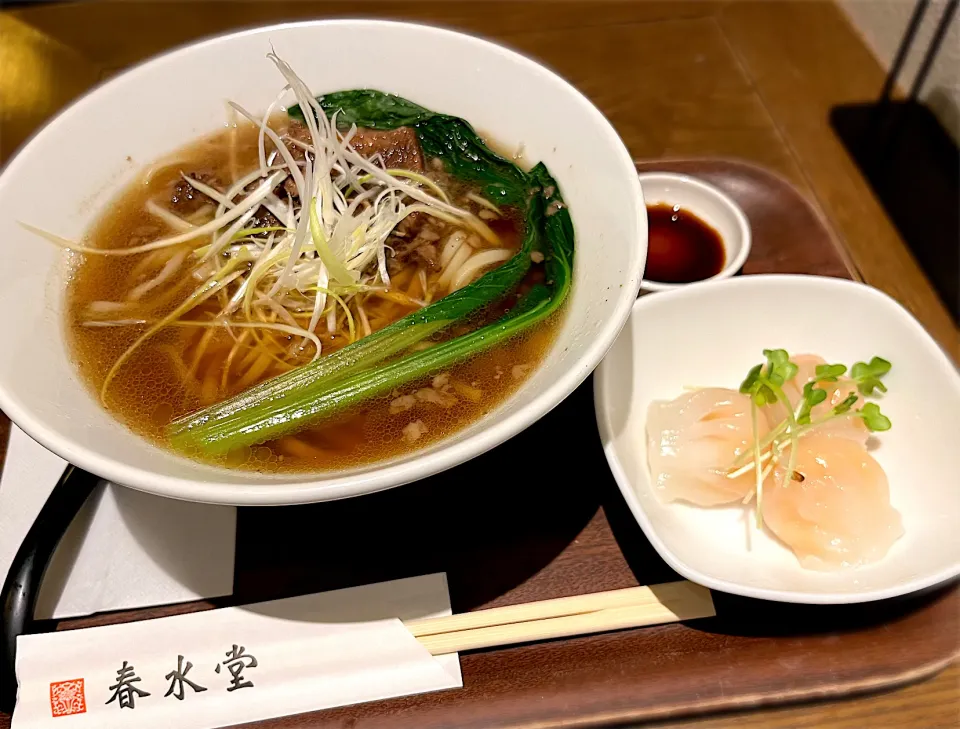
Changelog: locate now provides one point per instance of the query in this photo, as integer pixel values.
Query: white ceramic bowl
(712, 206)
(711, 334)
(71, 169)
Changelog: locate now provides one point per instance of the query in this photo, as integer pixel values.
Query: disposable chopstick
(667, 593)
(563, 617)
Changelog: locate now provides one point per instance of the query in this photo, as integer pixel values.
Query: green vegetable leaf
(751, 380)
(812, 396)
(763, 381)
(845, 406)
(874, 419)
(868, 375)
(466, 157)
(756, 386)
(830, 372)
(779, 367)
(368, 108)
(557, 230)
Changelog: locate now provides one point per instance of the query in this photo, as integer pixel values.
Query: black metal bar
(22, 585)
(904, 49)
(933, 48)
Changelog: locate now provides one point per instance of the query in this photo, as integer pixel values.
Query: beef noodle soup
(250, 280)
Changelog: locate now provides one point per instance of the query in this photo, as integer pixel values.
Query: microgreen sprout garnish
(830, 372)
(762, 380)
(812, 396)
(846, 405)
(867, 375)
(764, 385)
(874, 419)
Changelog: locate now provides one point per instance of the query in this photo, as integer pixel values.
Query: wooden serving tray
(541, 517)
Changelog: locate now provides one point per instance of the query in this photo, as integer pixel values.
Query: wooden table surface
(677, 79)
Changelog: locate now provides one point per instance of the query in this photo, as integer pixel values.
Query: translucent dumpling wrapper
(835, 511)
(692, 442)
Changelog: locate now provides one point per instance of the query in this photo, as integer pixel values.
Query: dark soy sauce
(681, 248)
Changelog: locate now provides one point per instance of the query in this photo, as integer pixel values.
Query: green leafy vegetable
(867, 375)
(812, 396)
(845, 406)
(466, 156)
(779, 367)
(752, 386)
(368, 108)
(298, 398)
(874, 419)
(763, 381)
(830, 372)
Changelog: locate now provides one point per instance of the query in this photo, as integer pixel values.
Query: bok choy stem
(257, 425)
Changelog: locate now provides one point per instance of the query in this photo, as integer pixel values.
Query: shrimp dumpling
(835, 511)
(692, 442)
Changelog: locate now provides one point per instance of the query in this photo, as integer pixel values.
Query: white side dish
(710, 335)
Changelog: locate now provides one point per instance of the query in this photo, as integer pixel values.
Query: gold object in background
(39, 77)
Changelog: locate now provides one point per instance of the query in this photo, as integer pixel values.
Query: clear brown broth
(152, 389)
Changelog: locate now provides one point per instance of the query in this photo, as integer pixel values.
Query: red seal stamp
(66, 698)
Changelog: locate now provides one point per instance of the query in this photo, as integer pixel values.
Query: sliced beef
(410, 226)
(429, 254)
(420, 249)
(416, 251)
(185, 199)
(263, 218)
(298, 130)
(399, 148)
(289, 187)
